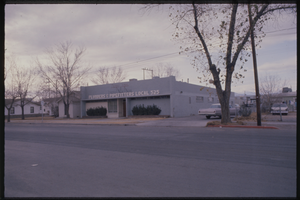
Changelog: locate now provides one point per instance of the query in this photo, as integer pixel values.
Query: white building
(30, 109)
(74, 107)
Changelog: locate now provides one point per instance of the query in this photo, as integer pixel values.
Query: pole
(258, 113)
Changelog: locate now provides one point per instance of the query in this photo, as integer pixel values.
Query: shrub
(149, 110)
(245, 111)
(99, 111)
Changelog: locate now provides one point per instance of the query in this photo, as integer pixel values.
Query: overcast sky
(123, 35)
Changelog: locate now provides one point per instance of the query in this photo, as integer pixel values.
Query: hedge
(99, 111)
(149, 110)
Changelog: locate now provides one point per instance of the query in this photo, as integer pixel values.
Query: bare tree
(106, 75)
(165, 70)
(270, 89)
(217, 38)
(24, 79)
(10, 85)
(65, 71)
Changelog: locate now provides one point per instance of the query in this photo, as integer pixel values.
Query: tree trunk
(225, 113)
(23, 116)
(8, 115)
(67, 110)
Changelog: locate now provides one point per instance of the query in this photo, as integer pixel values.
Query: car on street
(215, 111)
(279, 107)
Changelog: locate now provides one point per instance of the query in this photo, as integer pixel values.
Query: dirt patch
(33, 118)
(148, 116)
(231, 123)
(252, 118)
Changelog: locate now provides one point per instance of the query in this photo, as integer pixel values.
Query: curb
(236, 126)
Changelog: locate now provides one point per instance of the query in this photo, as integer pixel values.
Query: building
(51, 106)
(287, 96)
(74, 107)
(31, 109)
(174, 98)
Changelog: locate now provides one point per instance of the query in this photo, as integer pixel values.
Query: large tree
(64, 70)
(217, 38)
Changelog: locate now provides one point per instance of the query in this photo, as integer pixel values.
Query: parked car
(237, 106)
(279, 107)
(215, 111)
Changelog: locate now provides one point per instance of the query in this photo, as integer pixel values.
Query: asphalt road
(51, 160)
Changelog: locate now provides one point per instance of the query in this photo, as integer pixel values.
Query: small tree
(270, 88)
(24, 80)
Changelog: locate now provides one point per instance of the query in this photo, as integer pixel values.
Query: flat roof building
(174, 98)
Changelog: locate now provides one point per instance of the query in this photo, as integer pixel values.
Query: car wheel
(207, 117)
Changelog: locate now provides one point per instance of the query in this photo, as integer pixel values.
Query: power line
(175, 54)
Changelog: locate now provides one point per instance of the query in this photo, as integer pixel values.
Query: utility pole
(258, 113)
(147, 70)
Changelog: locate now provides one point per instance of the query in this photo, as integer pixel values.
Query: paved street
(58, 160)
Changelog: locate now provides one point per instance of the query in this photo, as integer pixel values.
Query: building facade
(174, 98)
(30, 109)
(74, 107)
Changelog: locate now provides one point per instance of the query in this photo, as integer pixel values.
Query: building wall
(75, 110)
(187, 104)
(61, 109)
(18, 109)
(182, 102)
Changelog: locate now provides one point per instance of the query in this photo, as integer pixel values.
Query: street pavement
(71, 160)
(288, 122)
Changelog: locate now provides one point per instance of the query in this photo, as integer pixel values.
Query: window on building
(12, 110)
(112, 106)
(199, 99)
(210, 99)
(31, 109)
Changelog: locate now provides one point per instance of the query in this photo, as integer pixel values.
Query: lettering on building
(125, 94)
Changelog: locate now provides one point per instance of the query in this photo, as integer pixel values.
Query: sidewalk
(268, 121)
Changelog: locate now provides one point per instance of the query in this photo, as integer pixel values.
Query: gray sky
(122, 35)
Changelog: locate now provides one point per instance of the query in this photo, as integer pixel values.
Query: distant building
(74, 107)
(175, 98)
(287, 96)
(30, 109)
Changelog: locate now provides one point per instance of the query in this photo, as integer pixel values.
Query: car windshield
(215, 106)
(279, 105)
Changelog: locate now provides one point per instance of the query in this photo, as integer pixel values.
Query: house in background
(286, 96)
(74, 107)
(51, 106)
(31, 109)
(289, 97)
